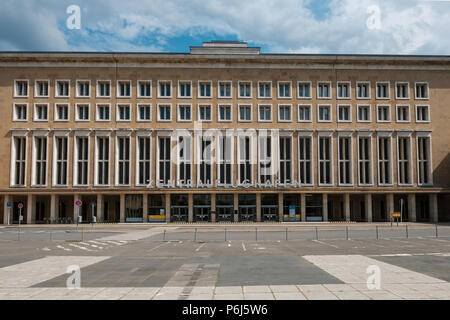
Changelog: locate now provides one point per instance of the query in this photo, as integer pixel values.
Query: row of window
(224, 112)
(224, 89)
(271, 153)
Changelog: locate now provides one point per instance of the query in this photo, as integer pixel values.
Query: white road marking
(200, 246)
(328, 244)
(243, 246)
(80, 247)
(46, 249)
(158, 246)
(65, 249)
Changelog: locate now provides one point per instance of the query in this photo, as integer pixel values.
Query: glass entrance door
(269, 213)
(179, 213)
(224, 213)
(247, 213)
(202, 213)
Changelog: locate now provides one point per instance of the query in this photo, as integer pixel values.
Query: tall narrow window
(423, 160)
(83, 88)
(62, 88)
(384, 160)
(225, 89)
(343, 90)
(20, 112)
(144, 112)
(345, 170)
(144, 160)
(123, 89)
(284, 113)
(325, 160)
(284, 89)
(205, 176)
(40, 164)
(103, 160)
(61, 112)
(185, 160)
(21, 88)
(363, 90)
(123, 158)
(144, 89)
(421, 90)
(383, 90)
(264, 90)
(403, 145)
(245, 89)
(20, 148)
(402, 90)
(245, 168)
(265, 113)
(285, 173)
(323, 90)
(164, 160)
(82, 112)
(165, 89)
(245, 113)
(41, 88)
(61, 160)
(103, 89)
(304, 113)
(82, 160)
(204, 89)
(225, 160)
(265, 159)
(304, 90)
(304, 157)
(184, 89)
(364, 162)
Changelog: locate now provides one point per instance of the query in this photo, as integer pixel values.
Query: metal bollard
(195, 235)
(346, 232)
(18, 234)
(256, 234)
(407, 232)
(164, 235)
(436, 230)
(377, 231)
(286, 234)
(317, 234)
(225, 234)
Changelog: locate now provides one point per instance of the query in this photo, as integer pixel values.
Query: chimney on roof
(225, 47)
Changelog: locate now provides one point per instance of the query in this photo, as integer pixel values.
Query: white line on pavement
(65, 249)
(328, 244)
(200, 246)
(158, 246)
(80, 247)
(243, 246)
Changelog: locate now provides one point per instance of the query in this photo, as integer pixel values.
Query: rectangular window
(164, 112)
(324, 113)
(20, 112)
(224, 89)
(265, 113)
(41, 88)
(61, 144)
(305, 160)
(265, 89)
(324, 90)
(422, 91)
(123, 112)
(344, 113)
(364, 113)
(225, 160)
(422, 114)
(102, 160)
(403, 113)
(184, 89)
(245, 113)
(83, 88)
(363, 90)
(284, 90)
(61, 112)
(304, 90)
(224, 112)
(205, 175)
(383, 90)
(144, 89)
(21, 88)
(103, 112)
(245, 89)
(285, 172)
(20, 153)
(383, 113)
(41, 112)
(62, 88)
(402, 90)
(124, 89)
(265, 160)
(304, 113)
(384, 160)
(123, 159)
(343, 90)
(204, 112)
(144, 163)
(325, 160)
(164, 160)
(245, 167)
(345, 158)
(204, 89)
(423, 160)
(364, 160)
(40, 161)
(184, 112)
(103, 89)
(144, 112)
(403, 145)
(165, 89)
(82, 160)
(82, 112)
(185, 160)
(284, 113)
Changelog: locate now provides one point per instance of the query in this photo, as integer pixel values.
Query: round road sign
(20, 205)
(78, 203)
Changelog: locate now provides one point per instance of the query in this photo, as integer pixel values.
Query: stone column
(145, 207)
(303, 207)
(7, 218)
(390, 205)
(434, 214)
(190, 207)
(213, 207)
(54, 204)
(122, 207)
(167, 207)
(412, 217)
(347, 206)
(368, 206)
(236, 207)
(76, 197)
(280, 207)
(325, 207)
(31, 209)
(100, 213)
(258, 207)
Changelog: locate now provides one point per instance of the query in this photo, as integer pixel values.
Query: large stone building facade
(223, 133)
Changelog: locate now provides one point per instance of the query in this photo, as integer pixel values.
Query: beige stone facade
(398, 104)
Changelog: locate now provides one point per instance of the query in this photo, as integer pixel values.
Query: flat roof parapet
(225, 47)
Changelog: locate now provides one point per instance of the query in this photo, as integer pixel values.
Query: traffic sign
(8, 204)
(78, 203)
(20, 205)
(396, 215)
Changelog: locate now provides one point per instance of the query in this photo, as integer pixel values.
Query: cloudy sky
(294, 26)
